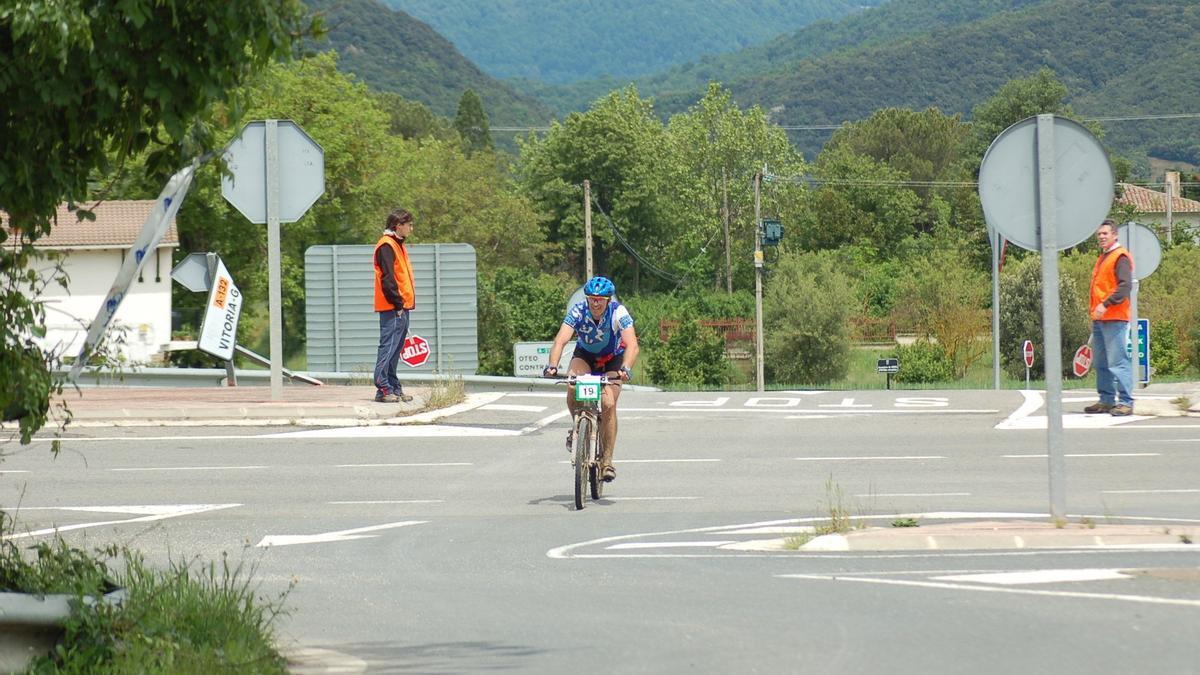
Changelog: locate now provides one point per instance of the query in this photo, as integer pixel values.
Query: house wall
(1183, 224)
(144, 315)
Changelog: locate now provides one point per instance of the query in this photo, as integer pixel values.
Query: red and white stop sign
(1027, 351)
(1082, 362)
(416, 351)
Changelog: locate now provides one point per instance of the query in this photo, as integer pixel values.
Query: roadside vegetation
(192, 617)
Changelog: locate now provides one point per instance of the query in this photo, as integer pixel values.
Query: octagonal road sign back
(1008, 184)
(301, 167)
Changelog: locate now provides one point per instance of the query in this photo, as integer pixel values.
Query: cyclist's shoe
(608, 473)
(1121, 410)
(571, 440)
(1097, 408)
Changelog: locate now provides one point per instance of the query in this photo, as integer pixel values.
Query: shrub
(1021, 316)
(923, 361)
(806, 317)
(516, 305)
(944, 296)
(1170, 295)
(691, 356)
(1165, 358)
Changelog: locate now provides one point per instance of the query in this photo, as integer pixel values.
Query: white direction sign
(530, 357)
(301, 167)
(218, 329)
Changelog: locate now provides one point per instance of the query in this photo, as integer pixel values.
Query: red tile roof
(1146, 200)
(117, 224)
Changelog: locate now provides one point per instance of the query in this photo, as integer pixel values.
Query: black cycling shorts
(600, 364)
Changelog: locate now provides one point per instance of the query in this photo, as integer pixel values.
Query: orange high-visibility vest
(401, 271)
(1104, 283)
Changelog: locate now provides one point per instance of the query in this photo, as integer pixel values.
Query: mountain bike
(586, 448)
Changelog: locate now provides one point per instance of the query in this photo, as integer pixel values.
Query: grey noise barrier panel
(343, 328)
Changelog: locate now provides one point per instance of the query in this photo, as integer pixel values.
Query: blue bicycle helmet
(599, 286)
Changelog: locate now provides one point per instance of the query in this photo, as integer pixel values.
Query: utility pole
(725, 218)
(587, 224)
(1170, 189)
(758, 272)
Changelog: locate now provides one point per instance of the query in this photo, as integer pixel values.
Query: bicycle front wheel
(583, 441)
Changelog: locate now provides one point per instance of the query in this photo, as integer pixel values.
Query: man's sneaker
(1100, 407)
(1121, 410)
(384, 397)
(608, 474)
(404, 398)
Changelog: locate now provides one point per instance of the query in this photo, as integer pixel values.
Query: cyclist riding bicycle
(606, 344)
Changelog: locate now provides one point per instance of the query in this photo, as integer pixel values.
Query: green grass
(189, 618)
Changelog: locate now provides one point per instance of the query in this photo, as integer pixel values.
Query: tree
(80, 92)
(806, 320)
(1024, 97)
(471, 122)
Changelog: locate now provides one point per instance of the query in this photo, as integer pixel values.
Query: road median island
(1015, 534)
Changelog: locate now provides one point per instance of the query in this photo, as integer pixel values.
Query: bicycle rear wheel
(583, 440)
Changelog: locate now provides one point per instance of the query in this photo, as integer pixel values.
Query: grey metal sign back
(1143, 245)
(301, 167)
(195, 272)
(342, 327)
(1008, 184)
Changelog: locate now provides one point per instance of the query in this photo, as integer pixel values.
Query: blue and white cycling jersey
(601, 337)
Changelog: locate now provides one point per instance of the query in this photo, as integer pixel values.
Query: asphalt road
(454, 547)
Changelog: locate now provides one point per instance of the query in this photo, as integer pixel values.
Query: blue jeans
(393, 328)
(1114, 368)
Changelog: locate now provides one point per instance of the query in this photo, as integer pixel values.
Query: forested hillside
(561, 41)
(1114, 56)
(391, 51)
(884, 24)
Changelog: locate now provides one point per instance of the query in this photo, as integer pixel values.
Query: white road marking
(915, 494)
(1088, 454)
(1037, 576)
(153, 513)
(653, 461)
(1153, 440)
(669, 544)
(1147, 492)
(328, 537)
(853, 459)
(191, 468)
(993, 589)
(780, 410)
(391, 501)
(400, 464)
(647, 499)
(513, 407)
(561, 396)
(12, 471)
(1023, 418)
(398, 431)
(846, 403)
(714, 403)
(544, 422)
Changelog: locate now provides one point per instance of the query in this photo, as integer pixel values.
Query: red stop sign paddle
(1027, 351)
(1082, 362)
(416, 351)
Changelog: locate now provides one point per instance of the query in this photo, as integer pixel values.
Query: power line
(633, 252)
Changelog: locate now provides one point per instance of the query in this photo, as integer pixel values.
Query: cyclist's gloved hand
(626, 374)
(550, 371)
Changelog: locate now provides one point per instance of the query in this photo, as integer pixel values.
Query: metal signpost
(278, 173)
(1027, 355)
(1143, 245)
(1071, 191)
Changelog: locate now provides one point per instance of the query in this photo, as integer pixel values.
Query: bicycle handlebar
(605, 380)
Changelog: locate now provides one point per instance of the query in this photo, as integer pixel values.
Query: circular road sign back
(1008, 184)
(1143, 245)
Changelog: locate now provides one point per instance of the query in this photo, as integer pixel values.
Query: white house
(92, 254)
(1182, 218)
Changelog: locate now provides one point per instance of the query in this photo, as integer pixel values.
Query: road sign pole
(758, 265)
(996, 310)
(1051, 330)
(275, 295)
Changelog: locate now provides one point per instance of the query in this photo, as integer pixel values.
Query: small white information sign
(529, 358)
(218, 331)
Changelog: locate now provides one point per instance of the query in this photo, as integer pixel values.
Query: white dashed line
(1037, 576)
(391, 501)
(1088, 454)
(668, 544)
(512, 407)
(866, 458)
(1148, 492)
(193, 468)
(915, 494)
(373, 466)
(647, 499)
